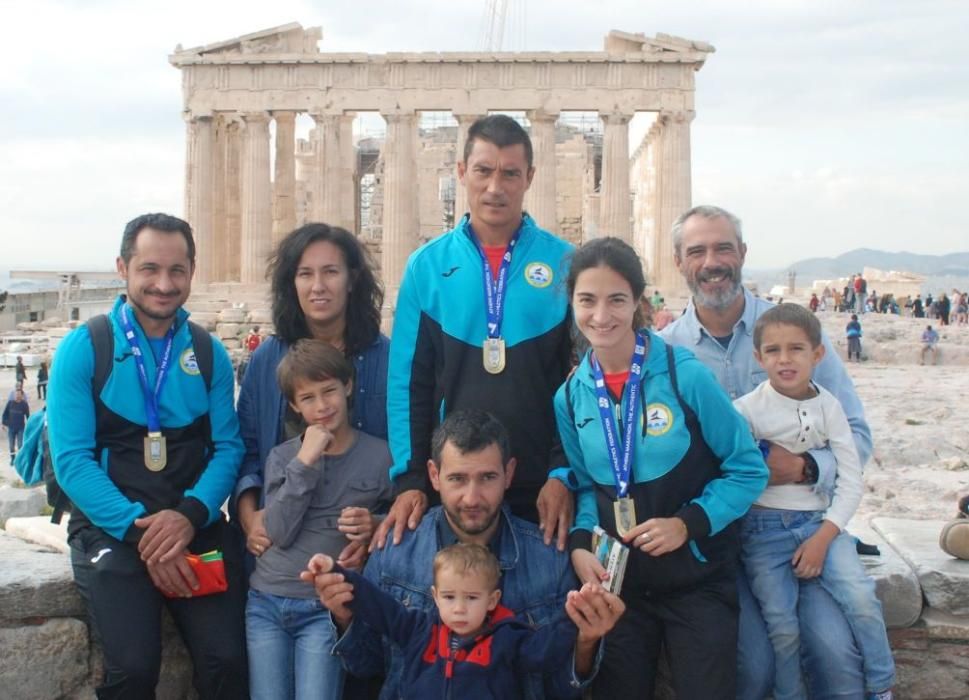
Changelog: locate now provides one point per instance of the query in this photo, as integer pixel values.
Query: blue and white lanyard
(620, 468)
(151, 397)
(495, 288)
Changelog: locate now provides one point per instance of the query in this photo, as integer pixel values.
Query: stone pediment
(285, 39)
(627, 42)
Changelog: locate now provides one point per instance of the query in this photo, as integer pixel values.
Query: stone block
(927, 666)
(228, 330)
(49, 660)
(944, 580)
(206, 319)
(18, 502)
(231, 343)
(40, 530)
(232, 316)
(260, 316)
(896, 584)
(35, 582)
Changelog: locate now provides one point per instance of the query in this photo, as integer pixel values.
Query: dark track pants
(125, 613)
(699, 629)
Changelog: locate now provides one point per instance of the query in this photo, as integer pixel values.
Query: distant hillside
(952, 264)
(942, 272)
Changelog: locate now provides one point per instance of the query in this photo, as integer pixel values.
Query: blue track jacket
(86, 477)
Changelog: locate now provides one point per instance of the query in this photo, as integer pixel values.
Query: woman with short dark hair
(323, 286)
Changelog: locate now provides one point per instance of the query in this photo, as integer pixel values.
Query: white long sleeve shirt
(799, 426)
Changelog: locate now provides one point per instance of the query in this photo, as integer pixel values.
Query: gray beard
(717, 302)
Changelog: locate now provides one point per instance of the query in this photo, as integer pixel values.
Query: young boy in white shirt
(793, 531)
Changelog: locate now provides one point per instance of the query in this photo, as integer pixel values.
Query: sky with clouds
(826, 126)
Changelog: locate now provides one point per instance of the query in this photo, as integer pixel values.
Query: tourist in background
(944, 306)
(15, 415)
(687, 470)
(930, 338)
(853, 333)
(962, 308)
(42, 377)
(814, 303)
(20, 371)
(323, 286)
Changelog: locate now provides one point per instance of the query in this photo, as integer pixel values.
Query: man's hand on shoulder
(407, 511)
(167, 534)
(555, 512)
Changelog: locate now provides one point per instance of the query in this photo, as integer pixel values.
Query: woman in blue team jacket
(693, 469)
(323, 287)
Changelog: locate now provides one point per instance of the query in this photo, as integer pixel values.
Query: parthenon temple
(250, 180)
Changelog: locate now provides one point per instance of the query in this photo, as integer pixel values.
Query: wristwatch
(810, 473)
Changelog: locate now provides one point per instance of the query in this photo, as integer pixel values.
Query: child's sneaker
(883, 695)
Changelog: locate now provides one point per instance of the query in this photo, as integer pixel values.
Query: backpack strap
(202, 344)
(102, 338)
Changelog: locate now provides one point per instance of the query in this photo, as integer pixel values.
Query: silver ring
(646, 537)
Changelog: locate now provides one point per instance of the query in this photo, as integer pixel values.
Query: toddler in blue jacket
(472, 647)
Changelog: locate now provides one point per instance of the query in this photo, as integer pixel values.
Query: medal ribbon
(151, 396)
(621, 467)
(494, 288)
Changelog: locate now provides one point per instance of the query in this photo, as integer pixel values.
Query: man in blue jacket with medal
(481, 323)
(146, 445)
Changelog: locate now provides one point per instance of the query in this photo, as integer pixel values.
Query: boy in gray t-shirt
(322, 489)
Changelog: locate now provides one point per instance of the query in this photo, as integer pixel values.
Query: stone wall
(48, 651)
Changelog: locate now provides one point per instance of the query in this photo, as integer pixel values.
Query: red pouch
(209, 569)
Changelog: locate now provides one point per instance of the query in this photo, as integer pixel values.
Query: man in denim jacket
(470, 468)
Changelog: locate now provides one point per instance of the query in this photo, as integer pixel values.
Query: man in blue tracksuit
(147, 463)
(481, 322)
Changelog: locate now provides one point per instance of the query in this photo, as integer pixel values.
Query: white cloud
(873, 91)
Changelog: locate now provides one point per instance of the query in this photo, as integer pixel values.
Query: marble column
(199, 194)
(226, 185)
(615, 210)
(400, 220)
(674, 194)
(284, 183)
(256, 200)
(348, 173)
(460, 194)
(540, 201)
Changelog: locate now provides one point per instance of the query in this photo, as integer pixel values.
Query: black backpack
(102, 338)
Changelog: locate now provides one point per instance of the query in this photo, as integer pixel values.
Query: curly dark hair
(363, 303)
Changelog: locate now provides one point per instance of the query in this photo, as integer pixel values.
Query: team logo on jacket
(188, 362)
(538, 274)
(659, 419)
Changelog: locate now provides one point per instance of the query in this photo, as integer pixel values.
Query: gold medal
(625, 511)
(156, 453)
(494, 355)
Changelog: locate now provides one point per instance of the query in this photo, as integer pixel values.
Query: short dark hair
(789, 314)
(618, 256)
(501, 130)
(470, 430)
(363, 303)
(312, 360)
(160, 222)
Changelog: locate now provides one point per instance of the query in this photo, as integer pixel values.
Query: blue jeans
(16, 440)
(769, 540)
(290, 640)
